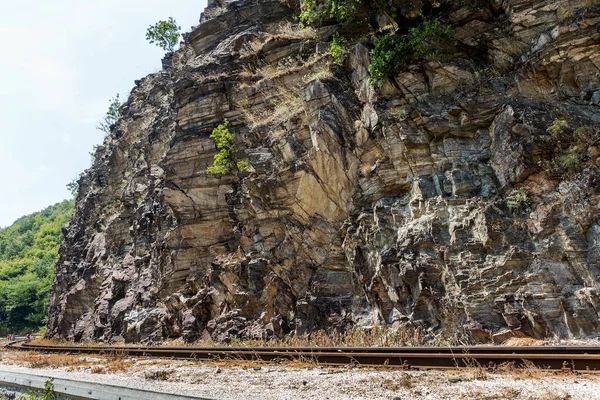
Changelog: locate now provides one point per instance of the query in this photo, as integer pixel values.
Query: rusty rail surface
(575, 358)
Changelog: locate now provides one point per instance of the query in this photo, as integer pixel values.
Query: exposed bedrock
(362, 206)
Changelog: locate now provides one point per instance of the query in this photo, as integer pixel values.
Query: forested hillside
(28, 250)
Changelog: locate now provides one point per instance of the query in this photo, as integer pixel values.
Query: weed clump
(568, 148)
(518, 199)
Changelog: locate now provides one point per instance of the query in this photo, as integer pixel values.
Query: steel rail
(440, 350)
(556, 358)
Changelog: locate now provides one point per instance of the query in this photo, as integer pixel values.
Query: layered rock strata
(362, 206)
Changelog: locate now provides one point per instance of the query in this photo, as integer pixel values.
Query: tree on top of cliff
(164, 34)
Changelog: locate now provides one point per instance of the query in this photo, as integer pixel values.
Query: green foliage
(73, 186)
(567, 149)
(314, 12)
(392, 51)
(586, 135)
(46, 394)
(225, 161)
(112, 115)
(165, 34)
(28, 251)
(518, 199)
(558, 127)
(569, 161)
(338, 48)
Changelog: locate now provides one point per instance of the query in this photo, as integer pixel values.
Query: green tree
(338, 48)
(391, 50)
(28, 251)
(112, 115)
(314, 12)
(165, 34)
(225, 161)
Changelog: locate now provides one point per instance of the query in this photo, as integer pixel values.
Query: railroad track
(566, 358)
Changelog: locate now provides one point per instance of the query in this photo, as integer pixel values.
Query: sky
(61, 61)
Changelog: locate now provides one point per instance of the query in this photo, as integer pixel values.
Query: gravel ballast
(227, 381)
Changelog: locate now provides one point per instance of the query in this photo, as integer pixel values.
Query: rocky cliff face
(439, 202)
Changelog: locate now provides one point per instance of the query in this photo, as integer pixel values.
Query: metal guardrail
(77, 389)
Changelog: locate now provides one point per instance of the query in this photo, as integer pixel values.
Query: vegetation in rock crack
(338, 48)
(392, 51)
(44, 394)
(73, 186)
(558, 127)
(225, 161)
(164, 34)
(313, 12)
(518, 199)
(567, 147)
(112, 115)
(28, 251)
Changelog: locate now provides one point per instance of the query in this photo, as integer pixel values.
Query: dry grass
(117, 361)
(203, 79)
(295, 31)
(252, 48)
(284, 31)
(526, 371)
(353, 337)
(287, 100)
(36, 360)
(548, 395)
(503, 394)
(159, 375)
(477, 371)
(523, 342)
(58, 342)
(291, 65)
(404, 382)
(280, 108)
(323, 73)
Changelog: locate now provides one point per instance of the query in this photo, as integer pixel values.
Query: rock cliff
(462, 198)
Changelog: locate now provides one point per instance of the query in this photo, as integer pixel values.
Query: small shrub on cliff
(558, 127)
(73, 186)
(567, 149)
(569, 161)
(518, 199)
(165, 34)
(225, 161)
(586, 135)
(338, 48)
(391, 50)
(112, 115)
(314, 12)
